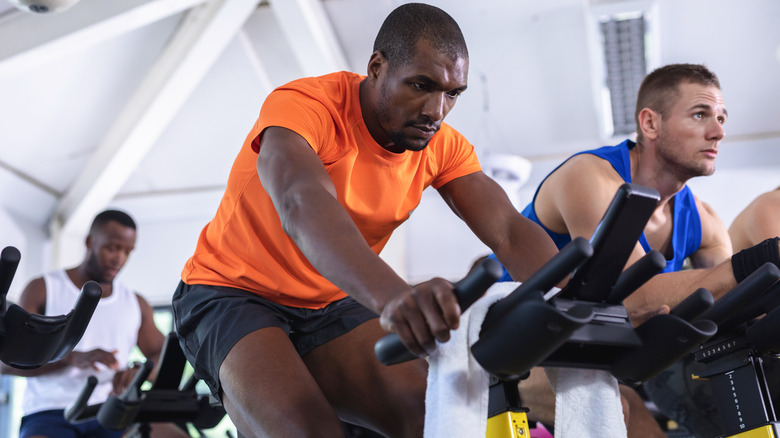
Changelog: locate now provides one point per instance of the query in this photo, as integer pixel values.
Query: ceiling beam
(310, 34)
(255, 61)
(202, 36)
(28, 40)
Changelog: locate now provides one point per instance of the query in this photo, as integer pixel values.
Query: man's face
(690, 135)
(413, 99)
(108, 249)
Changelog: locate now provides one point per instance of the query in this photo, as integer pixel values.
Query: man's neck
(648, 171)
(79, 275)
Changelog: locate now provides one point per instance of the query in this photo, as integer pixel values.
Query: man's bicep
(471, 196)
(715, 242)
(150, 338)
(577, 197)
(33, 297)
(286, 160)
(766, 223)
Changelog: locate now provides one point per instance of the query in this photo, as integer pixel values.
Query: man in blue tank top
(680, 116)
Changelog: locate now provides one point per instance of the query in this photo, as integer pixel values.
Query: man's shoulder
(586, 165)
(771, 197)
(329, 83)
(766, 204)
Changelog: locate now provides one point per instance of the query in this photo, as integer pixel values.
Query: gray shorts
(210, 320)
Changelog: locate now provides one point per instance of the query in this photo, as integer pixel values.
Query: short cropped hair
(660, 88)
(412, 22)
(111, 215)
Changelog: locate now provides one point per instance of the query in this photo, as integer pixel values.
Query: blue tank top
(686, 231)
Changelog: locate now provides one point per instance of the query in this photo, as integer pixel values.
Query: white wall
(155, 266)
(31, 243)
(550, 98)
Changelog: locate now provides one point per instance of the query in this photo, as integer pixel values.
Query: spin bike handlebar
(166, 401)
(52, 336)
(727, 310)
(117, 413)
(585, 325)
(9, 261)
(390, 350)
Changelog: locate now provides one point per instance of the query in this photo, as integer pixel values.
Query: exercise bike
(168, 399)
(583, 325)
(734, 360)
(29, 341)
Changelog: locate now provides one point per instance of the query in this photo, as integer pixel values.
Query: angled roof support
(311, 35)
(28, 40)
(202, 36)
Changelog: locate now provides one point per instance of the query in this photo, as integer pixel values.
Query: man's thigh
(268, 391)
(361, 387)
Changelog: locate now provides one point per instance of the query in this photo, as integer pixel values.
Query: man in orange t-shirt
(277, 308)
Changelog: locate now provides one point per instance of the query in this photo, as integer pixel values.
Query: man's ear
(649, 123)
(375, 64)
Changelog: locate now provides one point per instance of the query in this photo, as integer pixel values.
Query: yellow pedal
(508, 425)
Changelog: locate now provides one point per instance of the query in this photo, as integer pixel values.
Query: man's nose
(717, 131)
(435, 107)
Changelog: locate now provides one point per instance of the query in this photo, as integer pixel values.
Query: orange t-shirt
(245, 247)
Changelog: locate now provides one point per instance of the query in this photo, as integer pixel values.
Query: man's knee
(537, 395)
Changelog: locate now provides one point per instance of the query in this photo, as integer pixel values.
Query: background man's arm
(766, 217)
(150, 342)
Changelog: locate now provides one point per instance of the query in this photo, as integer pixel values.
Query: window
(623, 37)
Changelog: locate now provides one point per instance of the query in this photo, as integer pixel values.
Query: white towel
(456, 401)
(587, 403)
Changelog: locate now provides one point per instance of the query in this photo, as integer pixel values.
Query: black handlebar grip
(9, 260)
(550, 274)
(694, 305)
(76, 410)
(133, 391)
(79, 318)
(390, 350)
(87, 302)
(743, 293)
(636, 275)
(471, 287)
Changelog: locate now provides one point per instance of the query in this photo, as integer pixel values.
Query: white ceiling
(144, 103)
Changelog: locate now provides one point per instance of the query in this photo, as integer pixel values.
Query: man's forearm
(673, 287)
(334, 246)
(528, 249)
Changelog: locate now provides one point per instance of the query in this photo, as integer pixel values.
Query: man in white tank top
(122, 320)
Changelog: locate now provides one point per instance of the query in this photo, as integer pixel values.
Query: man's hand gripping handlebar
(390, 350)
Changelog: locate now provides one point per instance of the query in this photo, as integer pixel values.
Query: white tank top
(114, 326)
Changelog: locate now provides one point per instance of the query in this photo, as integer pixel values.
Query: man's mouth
(711, 152)
(425, 130)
